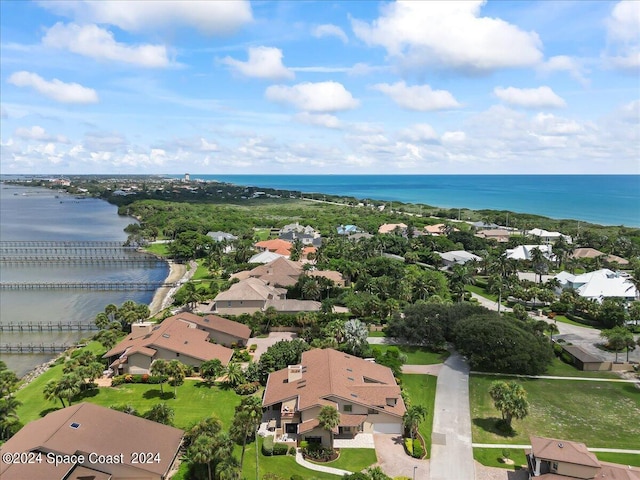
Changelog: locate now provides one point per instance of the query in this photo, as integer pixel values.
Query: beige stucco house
(553, 459)
(173, 339)
(221, 330)
(100, 444)
(365, 394)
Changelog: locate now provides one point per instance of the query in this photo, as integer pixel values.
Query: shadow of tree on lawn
(149, 394)
(491, 425)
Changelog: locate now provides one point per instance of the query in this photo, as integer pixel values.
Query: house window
(347, 408)
(554, 466)
(228, 304)
(372, 411)
(177, 354)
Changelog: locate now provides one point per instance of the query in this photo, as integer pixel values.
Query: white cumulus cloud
(418, 97)
(541, 97)
(449, 34)
(318, 119)
(564, 63)
(421, 132)
(330, 30)
(218, 17)
(263, 62)
(623, 31)
(313, 97)
(549, 124)
(54, 89)
(39, 134)
(95, 42)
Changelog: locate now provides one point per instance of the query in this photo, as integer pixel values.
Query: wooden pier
(47, 327)
(64, 244)
(147, 260)
(31, 348)
(104, 286)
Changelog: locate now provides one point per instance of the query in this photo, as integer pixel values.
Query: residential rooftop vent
(349, 370)
(561, 445)
(350, 378)
(165, 335)
(74, 425)
(354, 395)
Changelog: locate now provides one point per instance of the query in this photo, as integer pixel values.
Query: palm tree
(211, 369)
(159, 368)
(329, 419)
(176, 372)
(539, 263)
(192, 297)
(235, 375)
(161, 413)
(246, 420)
(311, 289)
(355, 335)
(412, 418)
(201, 451)
(9, 422)
(66, 388)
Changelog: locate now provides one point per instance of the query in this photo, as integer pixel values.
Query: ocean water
(601, 199)
(36, 214)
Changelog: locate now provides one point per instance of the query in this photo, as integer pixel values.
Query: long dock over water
(60, 244)
(47, 327)
(31, 348)
(71, 260)
(105, 286)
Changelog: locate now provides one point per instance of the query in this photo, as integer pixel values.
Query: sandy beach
(178, 275)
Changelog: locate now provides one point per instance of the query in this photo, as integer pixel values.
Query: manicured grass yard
(377, 333)
(599, 414)
(492, 457)
(482, 292)
(621, 458)
(161, 249)
(354, 459)
(563, 319)
(422, 391)
(418, 355)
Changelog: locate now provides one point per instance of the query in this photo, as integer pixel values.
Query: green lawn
(599, 414)
(377, 333)
(492, 457)
(563, 319)
(560, 369)
(161, 249)
(621, 458)
(354, 459)
(482, 292)
(418, 355)
(422, 391)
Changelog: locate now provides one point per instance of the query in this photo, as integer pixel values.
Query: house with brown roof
(365, 394)
(593, 253)
(553, 459)
(176, 338)
(253, 295)
(282, 272)
(390, 227)
(498, 234)
(221, 330)
(100, 444)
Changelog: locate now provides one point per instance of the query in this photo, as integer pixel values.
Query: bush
(296, 477)
(253, 348)
(241, 356)
(280, 449)
(304, 444)
(408, 446)
(267, 446)
(292, 451)
(319, 453)
(418, 451)
(557, 349)
(247, 388)
(566, 358)
(145, 378)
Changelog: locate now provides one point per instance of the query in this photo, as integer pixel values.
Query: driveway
(264, 343)
(394, 461)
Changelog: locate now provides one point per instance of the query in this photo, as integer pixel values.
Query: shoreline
(178, 275)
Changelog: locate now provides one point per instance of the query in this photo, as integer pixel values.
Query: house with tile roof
(113, 439)
(500, 235)
(348, 229)
(458, 257)
(281, 247)
(593, 253)
(265, 257)
(553, 459)
(282, 272)
(524, 252)
(176, 338)
(221, 330)
(365, 394)
(391, 227)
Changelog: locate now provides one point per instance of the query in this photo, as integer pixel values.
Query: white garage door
(387, 428)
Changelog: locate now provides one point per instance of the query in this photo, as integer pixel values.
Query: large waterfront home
(525, 252)
(282, 272)
(365, 394)
(552, 459)
(221, 330)
(177, 338)
(90, 442)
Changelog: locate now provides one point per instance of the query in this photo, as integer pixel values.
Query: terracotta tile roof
(563, 451)
(281, 247)
(331, 374)
(84, 428)
(292, 305)
(308, 425)
(335, 277)
(390, 227)
(174, 335)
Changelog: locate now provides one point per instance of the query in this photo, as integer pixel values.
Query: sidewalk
(506, 445)
(319, 468)
(551, 377)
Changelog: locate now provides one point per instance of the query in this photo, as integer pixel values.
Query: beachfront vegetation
(9, 420)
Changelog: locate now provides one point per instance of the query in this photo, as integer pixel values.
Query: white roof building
(548, 237)
(265, 257)
(600, 284)
(458, 257)
(523, 252)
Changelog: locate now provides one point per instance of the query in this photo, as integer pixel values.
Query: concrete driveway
(264, 343)
(394, 461)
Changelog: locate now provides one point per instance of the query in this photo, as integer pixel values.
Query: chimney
(295, 373)
(139, 329)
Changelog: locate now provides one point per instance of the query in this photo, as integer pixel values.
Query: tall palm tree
(159, 368)
(329, 419)
(202, 451)
(66, 388)
(161, 413)
(412, 418)
(235, 375)
(246, 420)
(176, 372)
(539, 263)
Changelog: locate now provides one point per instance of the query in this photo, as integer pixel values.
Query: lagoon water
(601, 199)
(36, 214)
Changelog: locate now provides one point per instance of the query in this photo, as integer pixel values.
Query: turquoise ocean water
(602, 199)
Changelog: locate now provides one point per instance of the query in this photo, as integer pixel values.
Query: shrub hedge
(280, 449)
(267, 446)
(247, 388)
(143, 378)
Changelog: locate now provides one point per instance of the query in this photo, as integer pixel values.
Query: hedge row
(138, 378)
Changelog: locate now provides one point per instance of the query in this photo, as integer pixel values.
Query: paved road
(451, 451)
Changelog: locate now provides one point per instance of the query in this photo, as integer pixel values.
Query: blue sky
(320, 87)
